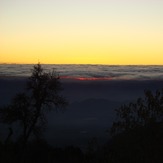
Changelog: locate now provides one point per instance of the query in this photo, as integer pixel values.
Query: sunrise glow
(81, 31)
(86, 78)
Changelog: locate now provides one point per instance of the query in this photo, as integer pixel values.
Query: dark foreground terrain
(79, 133)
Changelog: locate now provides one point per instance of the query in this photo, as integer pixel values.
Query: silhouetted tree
(138, 132)
(144, 111)
(29, 108)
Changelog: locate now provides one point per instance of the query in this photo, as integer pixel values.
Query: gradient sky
(81, 31)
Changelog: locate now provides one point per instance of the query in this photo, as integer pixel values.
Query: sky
(121, 32)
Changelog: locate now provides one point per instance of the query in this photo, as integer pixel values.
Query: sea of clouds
(95, 72)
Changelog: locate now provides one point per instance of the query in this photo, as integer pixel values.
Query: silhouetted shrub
(138, 133)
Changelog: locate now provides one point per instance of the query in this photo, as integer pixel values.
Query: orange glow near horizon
(85, 78)
(111, 32)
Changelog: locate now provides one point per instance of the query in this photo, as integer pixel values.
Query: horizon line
(82, 64)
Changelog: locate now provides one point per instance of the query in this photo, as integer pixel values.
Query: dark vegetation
(136, 135)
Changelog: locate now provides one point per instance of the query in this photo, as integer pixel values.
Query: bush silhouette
(138, 132)
(144, 111)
